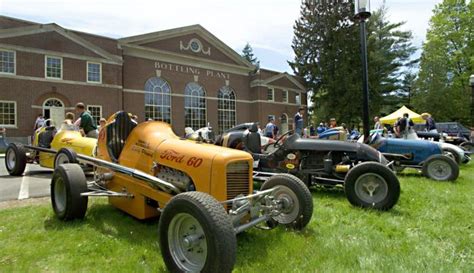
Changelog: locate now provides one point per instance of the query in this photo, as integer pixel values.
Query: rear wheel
(440, 168)
(65, 156)
(67, 185)
(295, 199)
(197, 235)
(372, 185)
(15, 159)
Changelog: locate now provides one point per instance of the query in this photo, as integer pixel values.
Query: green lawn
(431, 229)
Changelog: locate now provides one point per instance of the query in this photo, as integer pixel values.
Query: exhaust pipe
(154, 182)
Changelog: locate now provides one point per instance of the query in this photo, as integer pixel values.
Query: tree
(327, 56)
(447, 60)
(247, 53)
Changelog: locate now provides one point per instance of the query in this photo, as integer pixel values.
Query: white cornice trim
(165, 56)
(267, 82)
(193, 29)
(37, 29)
(28, 78)
(215, 98)
(58, 53)
(259, 83)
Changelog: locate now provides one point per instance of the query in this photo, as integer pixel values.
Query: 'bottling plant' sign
(191, 70)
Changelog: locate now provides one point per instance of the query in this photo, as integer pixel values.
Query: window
(194, 106)
(298, 99)
(270, 94)
(225, 108)
(7, 114)
(285, 95)
(54, 67)
(96, 112)
(157, 100)
(7, 61)
(94, 72)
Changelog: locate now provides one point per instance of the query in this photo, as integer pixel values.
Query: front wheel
(440, 168)
(15, 159)
(196, 235)
(468, 147)
(372, 185)
(295, 199)
(68, 182)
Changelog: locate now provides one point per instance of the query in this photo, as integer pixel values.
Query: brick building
(185, 76)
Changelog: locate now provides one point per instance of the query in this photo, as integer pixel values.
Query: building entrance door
(54, 109)
(284, 123)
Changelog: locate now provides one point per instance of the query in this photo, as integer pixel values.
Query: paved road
(34, 183)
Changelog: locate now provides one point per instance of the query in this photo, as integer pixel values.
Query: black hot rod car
(364, 172)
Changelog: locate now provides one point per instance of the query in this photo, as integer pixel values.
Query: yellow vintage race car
(203, 193)
(50, 148)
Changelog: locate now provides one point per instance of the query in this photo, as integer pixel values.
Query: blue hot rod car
(436, 160)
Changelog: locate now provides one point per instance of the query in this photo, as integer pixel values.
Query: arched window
(194, 106)
(226, 108)
(157, 100)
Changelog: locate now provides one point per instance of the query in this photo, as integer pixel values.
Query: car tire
(440, 168)
(15, 159)
(294, 192)
(64, 156)
(372, 185)
(467, 146)
(452, 154)
(68, 182)
(201, 218)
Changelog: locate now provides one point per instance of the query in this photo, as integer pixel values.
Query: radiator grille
(237, 179)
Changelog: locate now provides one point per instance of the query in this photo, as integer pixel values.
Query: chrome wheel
(187, 243)
(439, 169)
(61, 158)
(371, 188)
(10, 159)
(60, 194)
(289, 205)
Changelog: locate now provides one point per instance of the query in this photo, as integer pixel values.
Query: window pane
(53, 67)
(7, 113)
(157, 100)
(226, 109)
(269, 94)
(94, 72)
(7, 62)
(96, 112)
(194, 106)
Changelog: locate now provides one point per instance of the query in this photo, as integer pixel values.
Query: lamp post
(471, 83)
(362, 13)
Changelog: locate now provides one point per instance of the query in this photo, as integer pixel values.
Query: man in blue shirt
(270, 128)
(321, 128)
(430, 123)
(299, 122)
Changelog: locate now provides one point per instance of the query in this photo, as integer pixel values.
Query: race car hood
(364, 152)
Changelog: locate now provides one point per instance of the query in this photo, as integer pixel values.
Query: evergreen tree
(247, 53)
(446, 63)
(327, 56)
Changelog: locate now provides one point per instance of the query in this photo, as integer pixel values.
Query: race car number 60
(194, 162)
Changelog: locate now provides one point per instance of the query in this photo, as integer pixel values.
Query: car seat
(117, 134)
(46, 137)
(252, 140)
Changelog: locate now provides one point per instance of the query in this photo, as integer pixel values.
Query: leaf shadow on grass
(114, 223)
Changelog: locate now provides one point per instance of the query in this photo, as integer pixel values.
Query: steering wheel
(277, 142)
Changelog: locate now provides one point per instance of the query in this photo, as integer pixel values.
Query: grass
(430, 230)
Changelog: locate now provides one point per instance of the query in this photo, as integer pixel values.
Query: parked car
(50, 148)
(360, 169)
(454, 129)
(433, 158)
(203, 193)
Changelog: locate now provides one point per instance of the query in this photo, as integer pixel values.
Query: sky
(266, 24)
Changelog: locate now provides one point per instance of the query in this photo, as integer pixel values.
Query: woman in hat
(430, 123)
